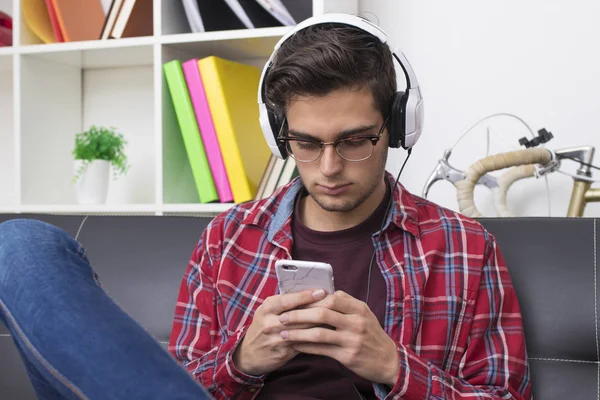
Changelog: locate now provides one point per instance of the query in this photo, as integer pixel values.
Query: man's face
(335, 184)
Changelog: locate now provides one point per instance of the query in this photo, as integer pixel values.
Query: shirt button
(252, 390)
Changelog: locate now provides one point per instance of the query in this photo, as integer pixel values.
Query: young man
(424, 306)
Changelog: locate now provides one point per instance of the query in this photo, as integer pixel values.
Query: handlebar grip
(504, 183)
(465, 187)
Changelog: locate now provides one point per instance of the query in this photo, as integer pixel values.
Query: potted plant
(95, 151)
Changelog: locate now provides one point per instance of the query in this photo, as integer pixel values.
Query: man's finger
(289, 301)
(318, 349)
(315, 316)
(340, 302)
(312, 335)
(300, 326)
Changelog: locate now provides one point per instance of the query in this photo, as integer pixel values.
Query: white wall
(538, 59)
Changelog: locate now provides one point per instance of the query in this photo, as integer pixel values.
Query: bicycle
(533, 161)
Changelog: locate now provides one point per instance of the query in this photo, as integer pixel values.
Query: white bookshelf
(49, 92)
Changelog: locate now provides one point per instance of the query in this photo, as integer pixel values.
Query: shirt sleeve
(197, 340)
(494, 365)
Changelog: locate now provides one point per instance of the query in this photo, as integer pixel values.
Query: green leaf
(101, 143)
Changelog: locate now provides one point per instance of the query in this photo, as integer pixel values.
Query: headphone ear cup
(276, 123)
(397, 118)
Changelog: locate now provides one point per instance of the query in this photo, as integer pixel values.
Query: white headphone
(406, 113)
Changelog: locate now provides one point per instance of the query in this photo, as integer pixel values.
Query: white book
(194, 18)
(274, 177)
(278, 10)
(237, 8)
(111, 18)
(122, 18)
(288, 171)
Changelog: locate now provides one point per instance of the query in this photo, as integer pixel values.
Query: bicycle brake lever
(445, 171)
(438, 174)
(551, 166)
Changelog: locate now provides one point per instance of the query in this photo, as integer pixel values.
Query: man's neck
(318, 219)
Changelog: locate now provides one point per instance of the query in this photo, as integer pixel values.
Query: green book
(190, 132)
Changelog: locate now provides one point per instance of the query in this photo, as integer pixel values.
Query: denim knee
(21, 239)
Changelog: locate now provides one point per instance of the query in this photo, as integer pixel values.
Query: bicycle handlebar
(524, 160)
(504, 183)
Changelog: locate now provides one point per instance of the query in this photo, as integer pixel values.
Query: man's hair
(323, 58)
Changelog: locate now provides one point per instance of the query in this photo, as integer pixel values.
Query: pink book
(54, 20)
(207, 129)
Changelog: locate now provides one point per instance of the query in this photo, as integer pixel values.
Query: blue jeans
(75, 341)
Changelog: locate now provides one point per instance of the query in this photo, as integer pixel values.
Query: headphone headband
(413, 121)
(337, 18)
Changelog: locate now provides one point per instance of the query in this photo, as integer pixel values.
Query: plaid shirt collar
(274, 213)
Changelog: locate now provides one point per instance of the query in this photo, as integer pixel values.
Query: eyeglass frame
(374, 140)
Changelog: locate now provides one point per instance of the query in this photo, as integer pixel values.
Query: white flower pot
(92, 184)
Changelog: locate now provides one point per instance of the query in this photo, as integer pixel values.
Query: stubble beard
(351, 204)
(347, 205)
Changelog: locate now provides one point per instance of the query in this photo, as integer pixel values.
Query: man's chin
(338, 204)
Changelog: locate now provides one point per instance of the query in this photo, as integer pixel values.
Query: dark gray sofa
(141, 259)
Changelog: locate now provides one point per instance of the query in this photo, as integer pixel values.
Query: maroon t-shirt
(349, 252)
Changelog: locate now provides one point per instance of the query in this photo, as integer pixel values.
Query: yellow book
(35, 14)
(231, 90)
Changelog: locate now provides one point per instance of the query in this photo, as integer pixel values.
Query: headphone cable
(388, 208)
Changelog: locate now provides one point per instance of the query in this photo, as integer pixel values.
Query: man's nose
(331, 162)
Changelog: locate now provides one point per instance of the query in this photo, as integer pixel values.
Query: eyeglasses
(355, 148)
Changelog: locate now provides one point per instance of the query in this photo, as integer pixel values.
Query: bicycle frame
(581, 195)
(582, 192)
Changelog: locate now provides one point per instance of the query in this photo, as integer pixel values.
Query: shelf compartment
(178, 185)
(28, 37)
(64, 93)
(174, 19)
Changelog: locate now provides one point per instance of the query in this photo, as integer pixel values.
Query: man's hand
(358, 342)
(262, 349)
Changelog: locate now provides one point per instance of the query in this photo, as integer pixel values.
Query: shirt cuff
(413, 378)
(244, 385)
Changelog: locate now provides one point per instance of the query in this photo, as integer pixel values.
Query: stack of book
(128, 18)
(6, 29)
(219, 15)
(278, 173)
(57, 21)
(215, 102)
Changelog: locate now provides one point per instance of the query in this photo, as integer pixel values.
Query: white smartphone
(295, 276)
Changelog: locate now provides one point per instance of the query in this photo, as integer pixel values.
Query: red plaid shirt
(450, 307)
